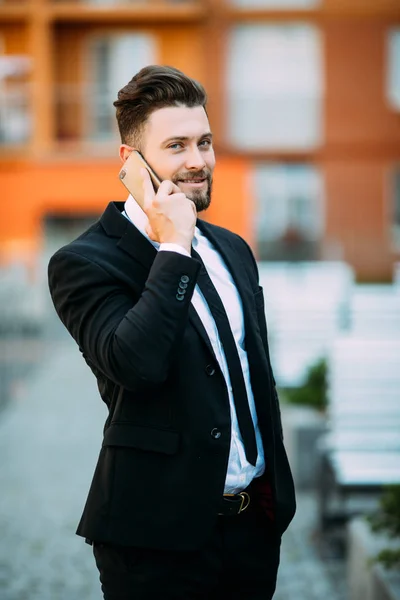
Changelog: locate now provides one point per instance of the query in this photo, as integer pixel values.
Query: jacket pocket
(142, 438)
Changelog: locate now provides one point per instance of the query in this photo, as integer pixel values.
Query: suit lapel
(239, 271)
(137, 246)
(131, 240)
(198, 325)
(234, 261)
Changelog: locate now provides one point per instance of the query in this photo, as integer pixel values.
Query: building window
(15, 110)
(275, 87)
(393, 68)
(114, 59)
(289, 216)
(276, 4)
(396, 209)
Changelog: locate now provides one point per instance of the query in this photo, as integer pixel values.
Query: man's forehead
(179, 121)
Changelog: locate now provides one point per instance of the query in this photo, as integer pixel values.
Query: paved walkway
(49, 441)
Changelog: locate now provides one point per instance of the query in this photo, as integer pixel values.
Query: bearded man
(192, 489)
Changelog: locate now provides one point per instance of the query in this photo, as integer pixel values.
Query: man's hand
(172, 216)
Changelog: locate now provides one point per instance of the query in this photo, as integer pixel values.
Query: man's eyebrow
(185, 138)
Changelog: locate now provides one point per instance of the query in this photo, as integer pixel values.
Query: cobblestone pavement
(303, 574)
(49, 441)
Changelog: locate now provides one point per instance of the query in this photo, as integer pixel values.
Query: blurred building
(304, 103)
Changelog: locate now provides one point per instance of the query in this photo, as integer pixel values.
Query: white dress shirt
(240, 472)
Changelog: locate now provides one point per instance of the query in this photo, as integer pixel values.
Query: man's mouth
(192, 181)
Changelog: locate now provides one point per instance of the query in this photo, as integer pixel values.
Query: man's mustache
(192, 176)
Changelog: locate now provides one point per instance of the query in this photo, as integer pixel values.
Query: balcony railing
(12, 2)
(127, 2)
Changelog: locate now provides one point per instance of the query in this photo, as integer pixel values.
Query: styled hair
(152, 88)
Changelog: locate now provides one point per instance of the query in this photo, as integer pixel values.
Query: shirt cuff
(166, 246)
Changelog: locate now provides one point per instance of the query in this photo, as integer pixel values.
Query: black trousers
(239, 562)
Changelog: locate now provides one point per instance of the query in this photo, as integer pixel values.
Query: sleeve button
(215, 433)
(184, 279)
(180, 297)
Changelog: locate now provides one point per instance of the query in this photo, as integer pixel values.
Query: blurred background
(304, 102)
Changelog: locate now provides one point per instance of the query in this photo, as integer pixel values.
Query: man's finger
(167, 187)
(176, 189)
(147, 188)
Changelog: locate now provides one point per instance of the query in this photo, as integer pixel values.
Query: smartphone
(132, 179)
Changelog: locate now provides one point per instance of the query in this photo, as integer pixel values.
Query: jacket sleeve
(131, 341)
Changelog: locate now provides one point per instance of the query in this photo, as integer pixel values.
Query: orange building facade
(303, 102)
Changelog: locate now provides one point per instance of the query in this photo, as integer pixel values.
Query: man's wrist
(174, 247)
(183, 241)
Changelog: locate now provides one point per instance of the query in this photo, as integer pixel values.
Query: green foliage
(387, 519)
(390, 558)
(313, 392)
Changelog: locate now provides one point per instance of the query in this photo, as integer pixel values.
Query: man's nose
(195, 159)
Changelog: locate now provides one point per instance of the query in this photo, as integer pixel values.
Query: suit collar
(131, 240)
(113, 221)
(138, 217)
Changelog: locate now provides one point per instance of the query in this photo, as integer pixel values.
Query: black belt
(234, 504)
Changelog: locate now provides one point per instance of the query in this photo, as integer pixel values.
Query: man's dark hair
(154, 87)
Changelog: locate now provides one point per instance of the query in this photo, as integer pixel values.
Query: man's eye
(205, 143)
(175, 146)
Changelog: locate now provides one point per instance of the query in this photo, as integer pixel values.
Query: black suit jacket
(161, 470)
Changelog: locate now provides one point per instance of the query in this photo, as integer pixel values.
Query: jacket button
(179, 297)
(184, 279)
(210, 370)
(215, 433)
(181, 291)
(183, 286)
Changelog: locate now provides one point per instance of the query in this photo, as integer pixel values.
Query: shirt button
(210, 370)
(215, 433)
(184, 279)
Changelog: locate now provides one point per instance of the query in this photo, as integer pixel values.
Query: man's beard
(200, 198)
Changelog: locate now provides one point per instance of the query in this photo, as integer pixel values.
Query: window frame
(296, 150)
(316, 196)
(88, 135)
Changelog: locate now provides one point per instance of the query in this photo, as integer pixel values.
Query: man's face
(177, 144)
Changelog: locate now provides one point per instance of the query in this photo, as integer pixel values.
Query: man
(192, 489)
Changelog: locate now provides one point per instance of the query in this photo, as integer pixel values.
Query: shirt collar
(138, 217)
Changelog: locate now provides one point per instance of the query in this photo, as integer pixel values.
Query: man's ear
(124, 151)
